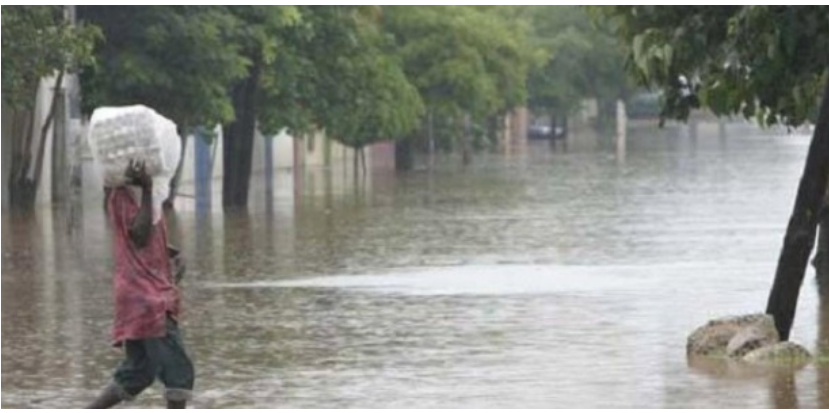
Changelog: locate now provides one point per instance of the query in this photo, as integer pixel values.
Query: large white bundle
(118, 135)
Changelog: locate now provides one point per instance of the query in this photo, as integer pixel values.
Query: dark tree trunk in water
(403, 154)
(565, 126)
(553, 128)
(467, 152)
(363, 160)
(466, 141)
(21, 195)
(25, 171)
(822, 258)
(800, 235)
(356, 162)
(431, 127)
(238, 142)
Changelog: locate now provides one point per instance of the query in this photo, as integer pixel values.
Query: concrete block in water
(753, 337)
(780, 353)
(713, 339)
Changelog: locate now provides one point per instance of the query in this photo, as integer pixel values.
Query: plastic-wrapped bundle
(118, 135)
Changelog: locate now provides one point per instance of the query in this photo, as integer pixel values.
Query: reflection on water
(785, 391)
(551, 279)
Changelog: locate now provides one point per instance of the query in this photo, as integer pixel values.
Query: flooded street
(544, 280)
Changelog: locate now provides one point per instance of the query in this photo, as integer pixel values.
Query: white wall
(286, 182)
(283, 152)
(283, 155)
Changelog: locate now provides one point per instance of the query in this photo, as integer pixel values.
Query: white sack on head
(120, 134)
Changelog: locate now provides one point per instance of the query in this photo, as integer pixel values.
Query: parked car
(539, 132)
(544, 132)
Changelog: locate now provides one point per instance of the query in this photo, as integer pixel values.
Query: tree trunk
(553, 133)
(363, 160)
(22, 121)
(430, 120)
(403, 155)
(822, 259)
(800, 235)
(61, 173)
(238, 141)
(26, 174)
(356, 162)
(431, 127)
(466, 144)
(553, 125)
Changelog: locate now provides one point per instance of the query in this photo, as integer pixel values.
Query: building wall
(288, 159)
(283, 151)
(297, 166)
(381, 156)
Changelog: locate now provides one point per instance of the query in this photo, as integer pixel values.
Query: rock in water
(753, 337)
(780, 353)
(713, 338)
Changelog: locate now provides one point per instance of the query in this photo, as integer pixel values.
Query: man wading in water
(146, 299)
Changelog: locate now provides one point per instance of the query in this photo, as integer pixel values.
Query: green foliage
(576, 60)
(326, 67)
(176, 59)
(374, 101)
(462, 59)
(362, 73)
(762, 62)
(37, 42)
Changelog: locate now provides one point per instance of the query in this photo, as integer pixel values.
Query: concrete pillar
(203, 166)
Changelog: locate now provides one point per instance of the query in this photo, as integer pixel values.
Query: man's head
(137, 175)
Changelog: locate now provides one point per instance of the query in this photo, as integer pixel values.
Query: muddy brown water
(548, 279)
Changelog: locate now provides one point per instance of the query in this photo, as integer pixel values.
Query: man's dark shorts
(162, 358)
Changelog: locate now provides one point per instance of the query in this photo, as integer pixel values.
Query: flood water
(537, 280)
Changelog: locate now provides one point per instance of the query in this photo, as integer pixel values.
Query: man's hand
(177, 264)
(136, 174)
